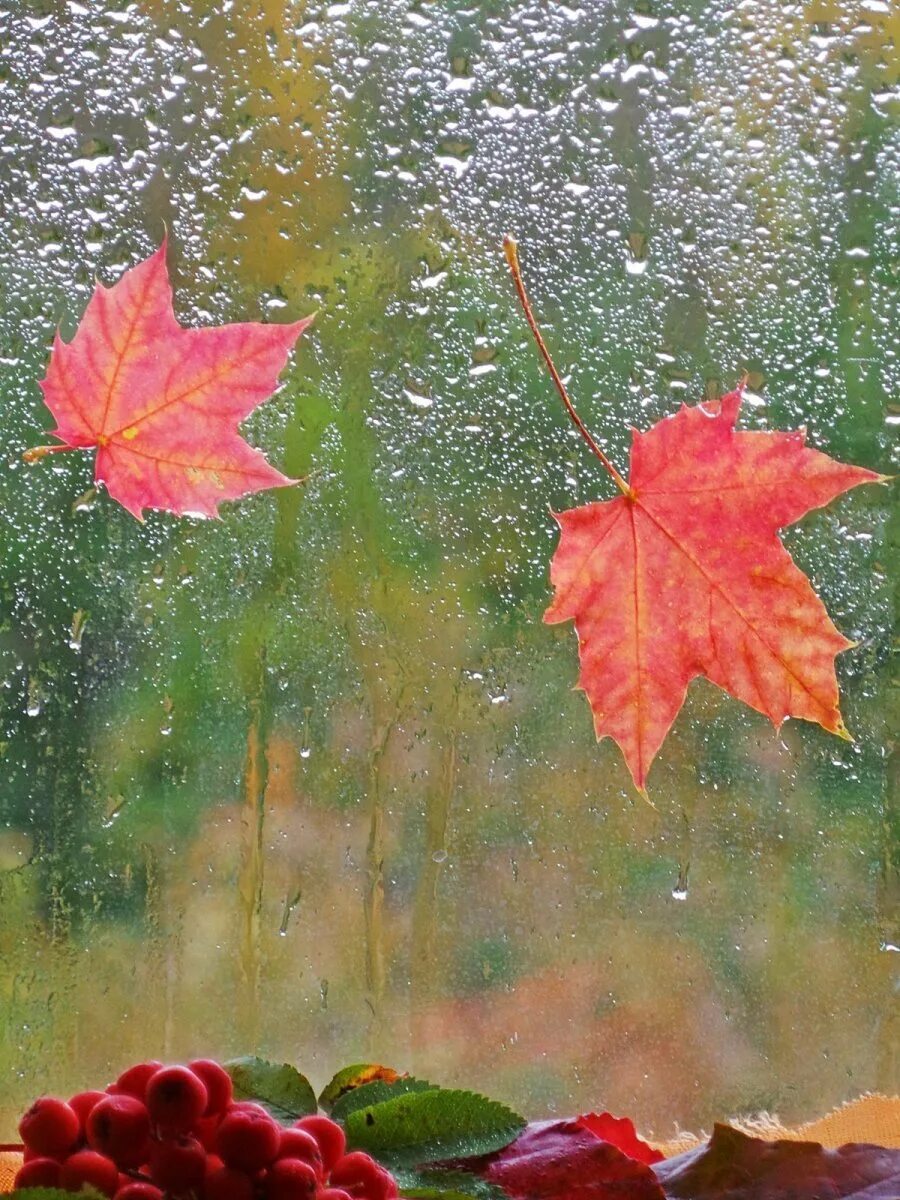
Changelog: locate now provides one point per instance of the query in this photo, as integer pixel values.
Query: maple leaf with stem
(162, 403)
(684, 574)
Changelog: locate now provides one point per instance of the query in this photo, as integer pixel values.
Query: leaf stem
(38, 452)
(512, 257)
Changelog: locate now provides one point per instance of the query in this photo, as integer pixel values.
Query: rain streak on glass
(321, 759)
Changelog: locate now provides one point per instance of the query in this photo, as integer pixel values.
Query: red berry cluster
(177, 1132)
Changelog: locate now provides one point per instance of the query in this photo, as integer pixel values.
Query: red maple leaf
(621, 1133)
(684, 574)
(162, 403)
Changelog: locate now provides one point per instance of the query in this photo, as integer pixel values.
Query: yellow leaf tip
(644, 795)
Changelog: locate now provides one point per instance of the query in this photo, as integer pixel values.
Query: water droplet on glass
(305, 750)
(680, 890)
(483, 356)
(85, 502)
(636, 251)
(455, 155)
(417, 395)
(33, 702)
(79, 620)
(291, 900)
(116, 805)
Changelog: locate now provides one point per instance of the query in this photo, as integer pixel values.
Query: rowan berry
(248, 1106)
(178, 1164)
(388, 1184)
(291, 1179)
(226, 1183)
(50, 1127)
(119, 1127)
(83, 1103)
(39, 1172)
(136, 1189)
(133, 1082)
(360, 1175)
(218, 1083)
(246, 1139)
(297, 1143)
(328, 1134)
(176, 1098)
(89, 1167)
(204, 1130)
(213, 1163)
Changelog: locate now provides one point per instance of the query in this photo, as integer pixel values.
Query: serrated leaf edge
(516, 1123)
(404, 1079)
(248, 1060)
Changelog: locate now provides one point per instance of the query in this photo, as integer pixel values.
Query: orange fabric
(874, 1119)
(9, 1164)
(877, 1117)
(869, 1119)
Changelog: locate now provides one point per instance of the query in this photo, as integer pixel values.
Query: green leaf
(447, 1193)
(50, 1193)
(424, 1127)
(280, 1088)
(446, 1185)
(350, 1078)
(368, 1094)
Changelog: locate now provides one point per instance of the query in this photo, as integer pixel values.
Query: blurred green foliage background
(311, 781)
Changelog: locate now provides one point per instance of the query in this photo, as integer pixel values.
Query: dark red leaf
(564, 1160)
(733, 1166)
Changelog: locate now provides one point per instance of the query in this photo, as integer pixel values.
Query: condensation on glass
(312, 781)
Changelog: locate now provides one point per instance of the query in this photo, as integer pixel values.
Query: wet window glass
(313, 780)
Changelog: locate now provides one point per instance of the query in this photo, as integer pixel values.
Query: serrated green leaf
(278, 1087)
(50, 1193)
(436, 1193)
(424, 1127)
(446, 1185)
(350, 1078)
(368, 1094)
